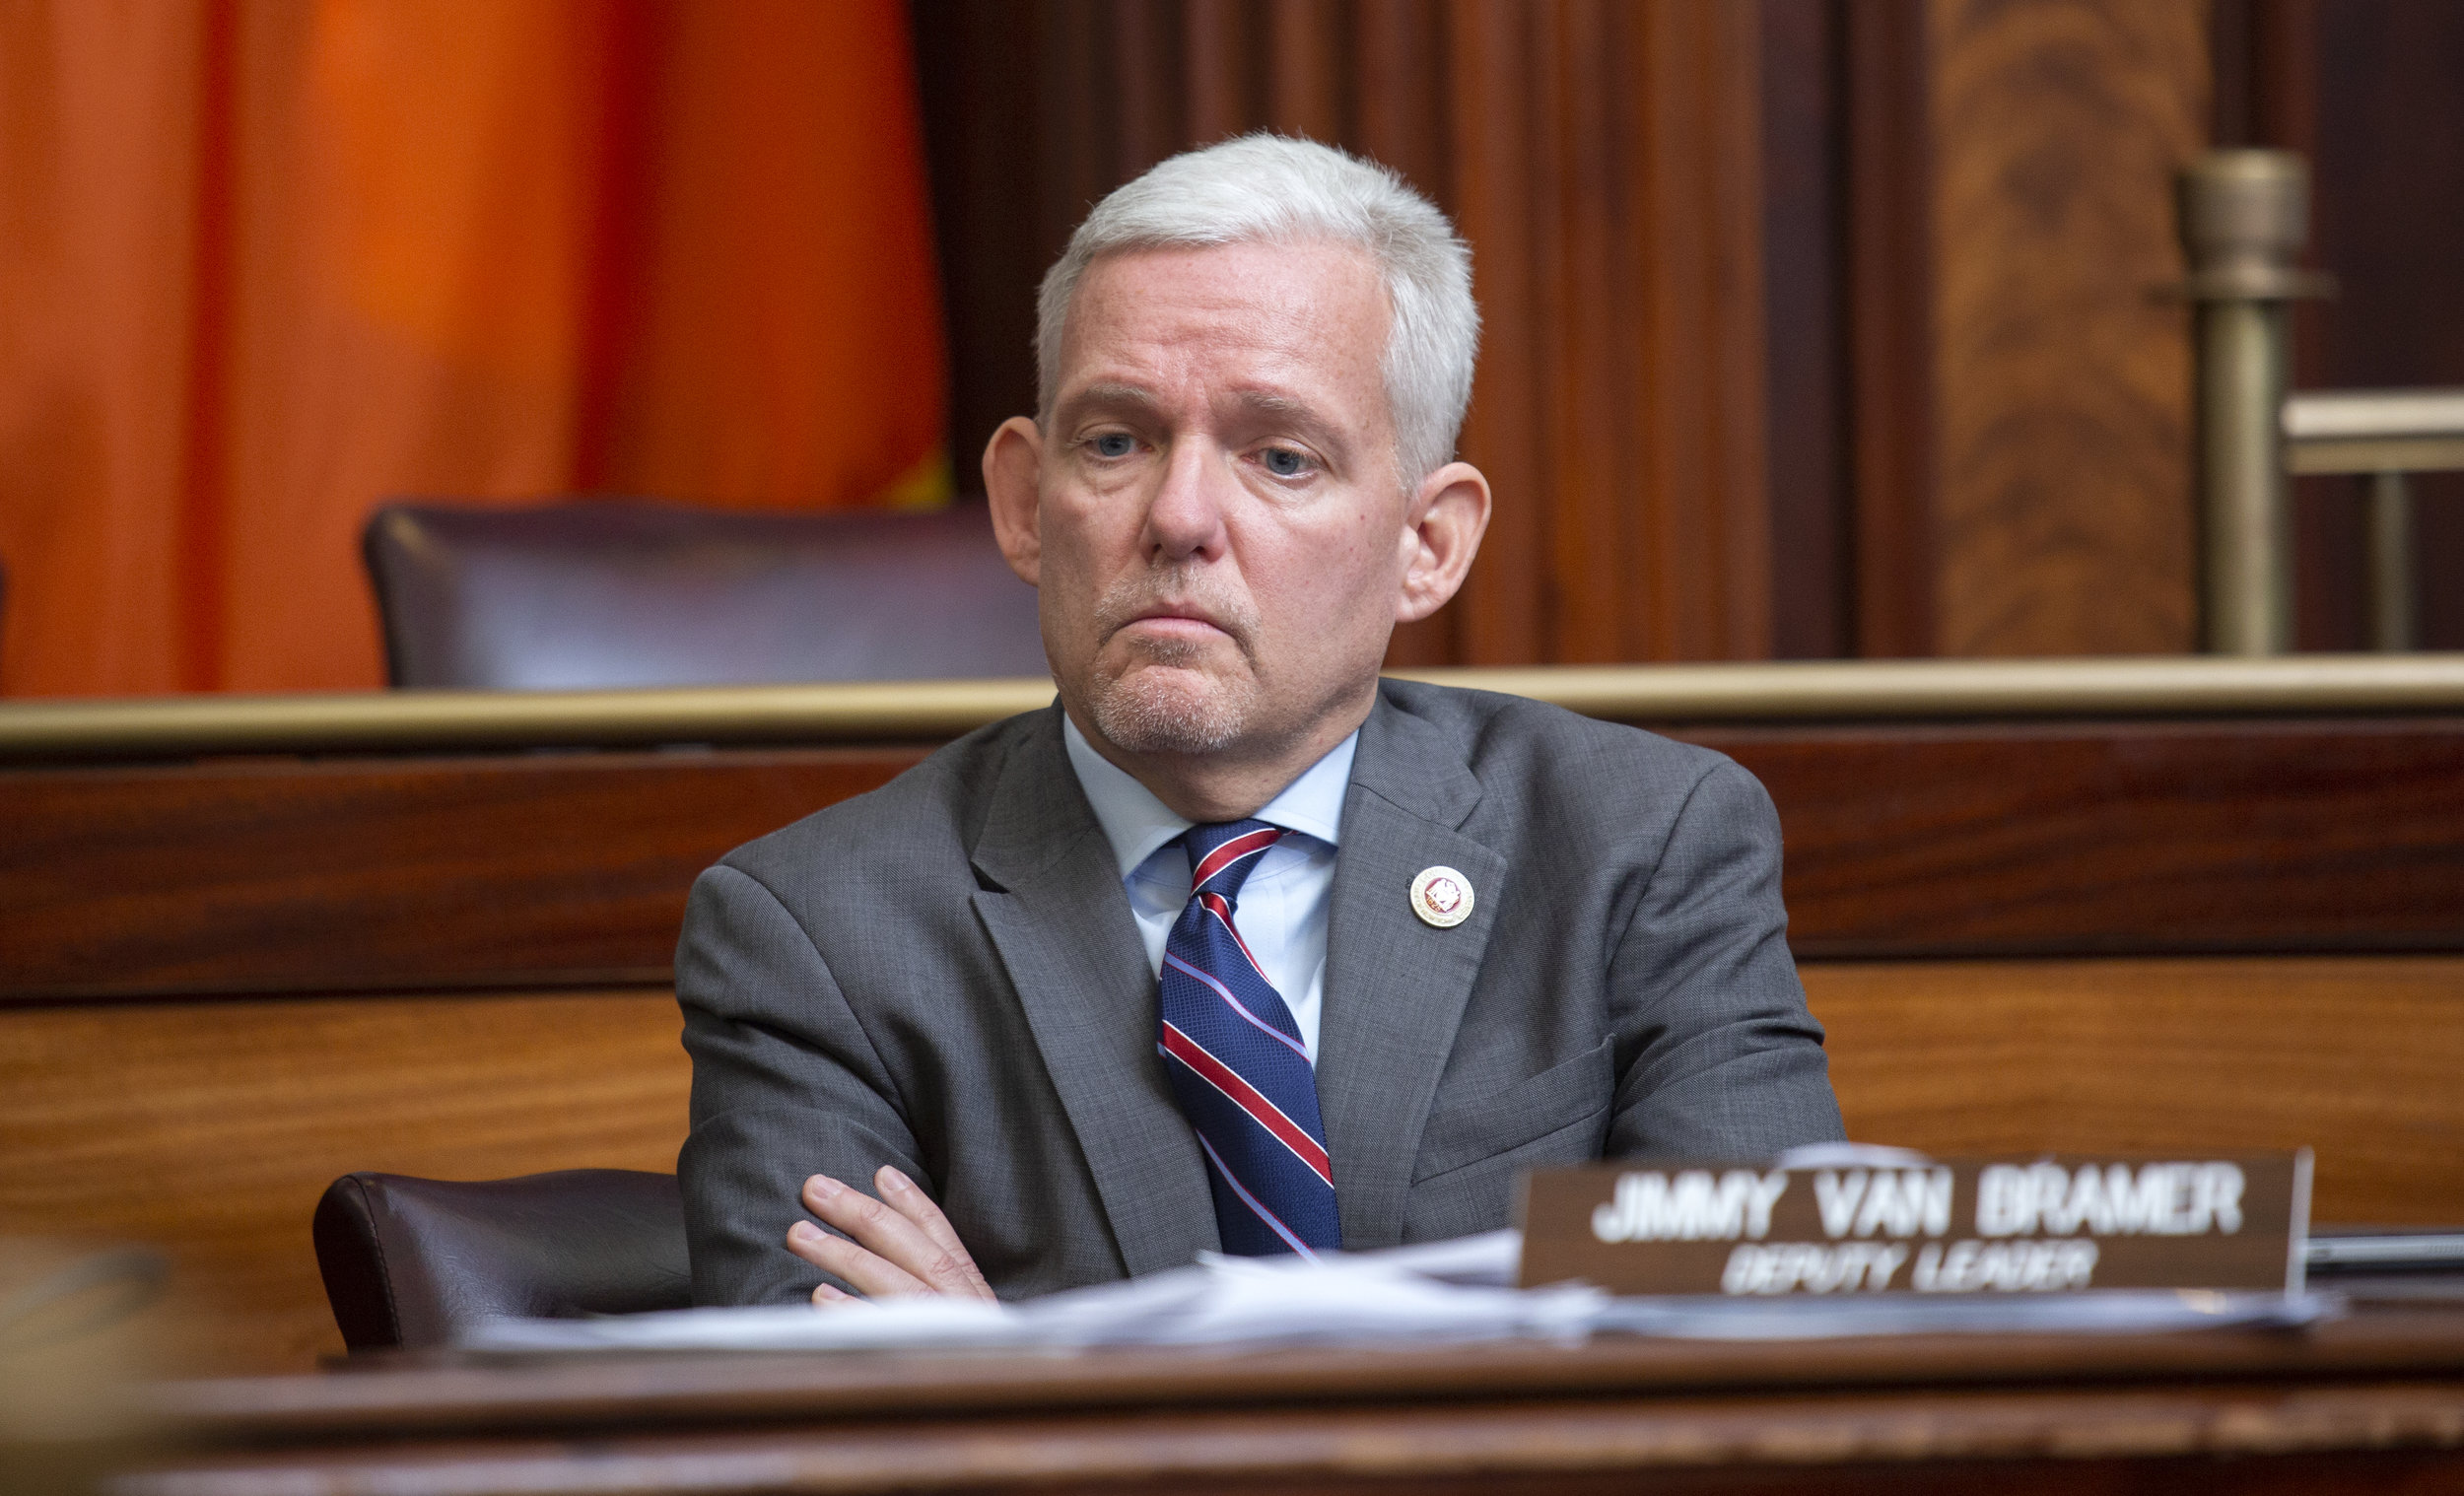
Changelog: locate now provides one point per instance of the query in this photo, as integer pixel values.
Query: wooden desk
(402, 937)
(2371, 1403)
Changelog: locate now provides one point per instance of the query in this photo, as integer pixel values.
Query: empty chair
(608, 594)
(413, 1263)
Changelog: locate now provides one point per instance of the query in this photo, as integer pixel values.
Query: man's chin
(1173, 708)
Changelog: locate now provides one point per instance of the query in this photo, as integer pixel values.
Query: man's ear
(1443, 526)
(1012, 464)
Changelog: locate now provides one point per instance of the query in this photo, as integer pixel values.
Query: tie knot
(1221, 854)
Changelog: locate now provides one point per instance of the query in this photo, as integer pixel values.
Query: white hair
(1275, 189)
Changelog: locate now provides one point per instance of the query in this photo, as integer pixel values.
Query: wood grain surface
(209, 1129)
(371, 875)
(2139, 840)
(2373, 1402)
(445, 1394)
(1934, 1441)
(2062, 382)
(2353, 1057)
(1604, 159)
(1892, 395)
(376, 874)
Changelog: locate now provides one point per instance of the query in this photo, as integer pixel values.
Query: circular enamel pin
(1442, 896)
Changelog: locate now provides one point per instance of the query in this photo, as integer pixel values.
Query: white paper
(1442, 1292)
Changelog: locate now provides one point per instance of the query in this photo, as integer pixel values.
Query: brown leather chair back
(412, 1262)
(610, 594)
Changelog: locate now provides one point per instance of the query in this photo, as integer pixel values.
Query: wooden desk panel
(335, 875)
(154, 1091)
(571, 869)
(2137, 839)
(2375, 1402)
(2310, 1439)
(210, 1128)
(2360, 1059)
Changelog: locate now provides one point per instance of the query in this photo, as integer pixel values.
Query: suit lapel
(1394, 986)
(1064, 931)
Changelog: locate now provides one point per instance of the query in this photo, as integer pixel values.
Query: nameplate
(2050, 1223)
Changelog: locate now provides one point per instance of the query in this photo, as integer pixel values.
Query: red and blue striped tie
(1237, 1063)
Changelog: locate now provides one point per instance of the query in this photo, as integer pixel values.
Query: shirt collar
(1138, 825)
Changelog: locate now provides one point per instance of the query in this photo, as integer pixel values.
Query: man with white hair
(1237, 946)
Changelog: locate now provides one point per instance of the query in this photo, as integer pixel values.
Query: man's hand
(900, 1243)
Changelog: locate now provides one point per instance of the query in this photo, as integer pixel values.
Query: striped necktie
(1236, 1063)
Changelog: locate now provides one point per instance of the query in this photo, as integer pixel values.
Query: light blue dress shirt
(1282, 907)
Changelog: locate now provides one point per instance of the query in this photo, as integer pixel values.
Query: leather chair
(610, 594)
(411, 1263)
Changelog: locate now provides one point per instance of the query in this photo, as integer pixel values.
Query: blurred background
(1815, 328)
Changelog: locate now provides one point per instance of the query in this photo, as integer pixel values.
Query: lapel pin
(1441, 897)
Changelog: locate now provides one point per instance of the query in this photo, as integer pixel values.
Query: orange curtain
(267, 263)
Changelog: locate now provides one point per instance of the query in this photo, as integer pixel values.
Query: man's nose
(1185, 517)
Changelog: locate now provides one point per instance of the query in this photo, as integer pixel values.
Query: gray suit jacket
(944, 974)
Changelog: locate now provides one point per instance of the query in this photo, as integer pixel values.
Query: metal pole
(2392, 626)
(2245, 215)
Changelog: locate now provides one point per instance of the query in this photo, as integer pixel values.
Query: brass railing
(2245, 216)
(2382, 436)
(1839, 691)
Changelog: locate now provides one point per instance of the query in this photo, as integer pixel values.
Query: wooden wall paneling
(1803, 169)
(2386, 145)
(2355, 1058)
(2062, 382)
(1617, 260)
(1219, 98)
(1670, 404)
(1492, 148)
(980, 138)
(1606, 173)
(1698, 583)
(1401, 64)
(1309, 68)
(1582, 326)
(209, 1129)
(1737, 508)
(1891, 327)
(1147, 48)
(1075, 134)
(1400, 61)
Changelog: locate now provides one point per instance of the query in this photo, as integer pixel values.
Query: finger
(883, 1232)
(909, 1200)
(829, 1295)
(866, 1271)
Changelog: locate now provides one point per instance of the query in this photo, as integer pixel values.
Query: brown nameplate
(2046, 1224)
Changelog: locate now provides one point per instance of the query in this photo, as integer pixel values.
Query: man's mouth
(1166, 636)
(1169, 617)
(1163, 622)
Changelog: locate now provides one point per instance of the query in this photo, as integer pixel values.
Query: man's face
(1222, 531)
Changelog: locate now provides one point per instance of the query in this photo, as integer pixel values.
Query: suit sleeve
(1724, 1059)
(786, 1084)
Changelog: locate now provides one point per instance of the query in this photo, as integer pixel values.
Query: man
(1236, 946)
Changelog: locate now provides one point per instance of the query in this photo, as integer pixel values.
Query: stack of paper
(1448, 1291)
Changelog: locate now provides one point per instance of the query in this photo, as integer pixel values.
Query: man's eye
(1285, 463)
(1113, 444)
